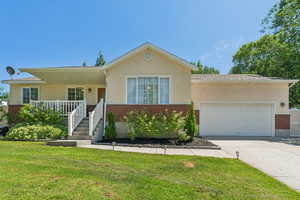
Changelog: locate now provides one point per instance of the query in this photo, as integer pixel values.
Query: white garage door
(218, 119)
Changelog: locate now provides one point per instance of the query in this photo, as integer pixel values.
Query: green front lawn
(35, 171)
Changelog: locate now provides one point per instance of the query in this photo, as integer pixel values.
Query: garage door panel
(236, 119)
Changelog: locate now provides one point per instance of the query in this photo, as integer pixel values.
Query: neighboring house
(151, 79)
(3, 103)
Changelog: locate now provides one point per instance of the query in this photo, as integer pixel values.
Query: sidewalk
(190, 152)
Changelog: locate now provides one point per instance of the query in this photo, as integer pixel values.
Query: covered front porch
(75, 112)
(78, 93)
(70, 84)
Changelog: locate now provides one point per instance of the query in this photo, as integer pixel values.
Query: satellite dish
(10, 70)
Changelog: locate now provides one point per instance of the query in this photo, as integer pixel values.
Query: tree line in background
(277, 52)
(100, 61)
(201, 69)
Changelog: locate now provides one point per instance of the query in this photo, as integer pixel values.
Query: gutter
(21, 82)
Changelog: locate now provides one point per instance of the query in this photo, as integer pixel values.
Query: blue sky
(49, 33)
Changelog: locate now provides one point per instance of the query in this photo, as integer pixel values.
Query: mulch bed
(197, 143)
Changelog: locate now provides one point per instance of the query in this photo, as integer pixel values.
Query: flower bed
(197, 143)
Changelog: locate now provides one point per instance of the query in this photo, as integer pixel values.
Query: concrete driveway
(277, 159)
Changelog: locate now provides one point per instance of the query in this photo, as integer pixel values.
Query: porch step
(81, 133)
(83, 125)
(82, 128)
(79, 137)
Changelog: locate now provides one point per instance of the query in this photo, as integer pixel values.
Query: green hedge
(35, 132)
(165, 124)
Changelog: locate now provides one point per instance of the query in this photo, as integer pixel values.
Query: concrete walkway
(277, 159)
(190, 152)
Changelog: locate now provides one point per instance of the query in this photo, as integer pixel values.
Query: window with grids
(148, 90)
(29, 94)
(76, 94)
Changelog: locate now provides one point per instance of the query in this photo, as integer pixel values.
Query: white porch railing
(95, 116)
(76, 116)
(62, 106)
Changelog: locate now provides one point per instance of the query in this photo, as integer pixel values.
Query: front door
(101, 94)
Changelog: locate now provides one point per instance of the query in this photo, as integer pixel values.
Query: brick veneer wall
(282, 121)
(15, 109)
(120, 110)
(197, 117)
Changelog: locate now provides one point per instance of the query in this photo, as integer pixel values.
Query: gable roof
(237, 78)
(149, 45)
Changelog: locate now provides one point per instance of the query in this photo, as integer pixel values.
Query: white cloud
(221, 54)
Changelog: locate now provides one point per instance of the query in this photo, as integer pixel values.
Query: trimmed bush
(190, 122)
(33, 115)
(165, 124)
(110, 129)
(182, 137)
(35, 132)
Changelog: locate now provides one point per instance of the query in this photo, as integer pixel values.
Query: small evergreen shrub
(110, 129)
(190, 122)
(35, 132)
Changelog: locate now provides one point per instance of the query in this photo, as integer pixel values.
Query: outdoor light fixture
(90, 90)
(282, 104)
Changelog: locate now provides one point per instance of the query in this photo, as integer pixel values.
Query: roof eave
(22, 81)
(60, 69)
(244, 81)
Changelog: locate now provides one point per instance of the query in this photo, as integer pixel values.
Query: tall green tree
(283, 20)
(277, 53)
(3, 94)
(201, 69)
(100, 59)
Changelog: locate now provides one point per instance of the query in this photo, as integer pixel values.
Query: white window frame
(148, 76)
(22, 95)
(75, 86)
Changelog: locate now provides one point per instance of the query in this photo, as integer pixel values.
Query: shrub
(110, 129)
(34, 132)
(190, 122)
(33, 115)
(164, 124)
(182, 137)
(3, 113)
